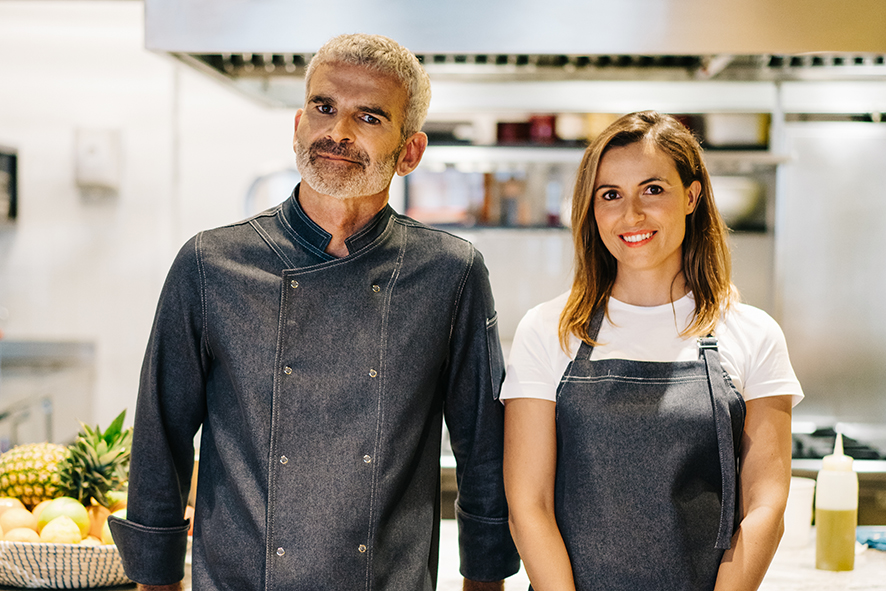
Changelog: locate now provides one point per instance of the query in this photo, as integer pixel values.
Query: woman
(631, 401)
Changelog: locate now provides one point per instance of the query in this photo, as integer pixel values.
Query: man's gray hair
(384, 55)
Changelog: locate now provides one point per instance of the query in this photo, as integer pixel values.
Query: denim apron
(647, 469)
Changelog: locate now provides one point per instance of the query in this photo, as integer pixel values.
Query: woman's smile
(636, 239)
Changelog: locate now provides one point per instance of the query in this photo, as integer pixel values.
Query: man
(320, 344)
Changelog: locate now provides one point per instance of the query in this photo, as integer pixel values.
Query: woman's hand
(530, 465)
(764, 481)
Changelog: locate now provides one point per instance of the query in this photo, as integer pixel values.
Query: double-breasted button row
(288, 371)
(294, 285)
(361, 549)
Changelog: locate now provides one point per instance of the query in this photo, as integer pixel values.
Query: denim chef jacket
(321, 385)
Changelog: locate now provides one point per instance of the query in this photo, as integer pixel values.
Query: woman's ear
(693, 194)
(411, 154)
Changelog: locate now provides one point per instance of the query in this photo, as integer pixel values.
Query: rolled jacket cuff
(151, 555)
(486, 550)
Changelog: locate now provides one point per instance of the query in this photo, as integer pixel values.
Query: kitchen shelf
(477, 155)
(474, 155)
(529, 186)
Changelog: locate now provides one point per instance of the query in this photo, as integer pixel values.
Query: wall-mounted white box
(98, 158)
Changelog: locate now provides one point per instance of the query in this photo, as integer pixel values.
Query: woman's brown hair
(707, 265)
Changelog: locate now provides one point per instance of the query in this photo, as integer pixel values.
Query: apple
(61, 530)
(39, 507)
(66, 506)
(17, 517)
(10, 503)
(107, 538)
(21, 534)
(117, 499)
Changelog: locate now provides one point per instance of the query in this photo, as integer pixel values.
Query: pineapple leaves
(98, 462)
(114, 429)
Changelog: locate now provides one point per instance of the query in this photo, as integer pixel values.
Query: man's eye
(325, 109)
(372, 120)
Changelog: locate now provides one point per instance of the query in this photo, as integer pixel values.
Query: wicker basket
(60, 566)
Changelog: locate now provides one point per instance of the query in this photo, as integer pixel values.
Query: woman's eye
(654, 190)
(609, 195)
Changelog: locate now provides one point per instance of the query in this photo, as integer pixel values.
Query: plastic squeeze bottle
(836, 511)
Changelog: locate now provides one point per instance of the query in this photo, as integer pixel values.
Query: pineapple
(30, 472)
(94, 465)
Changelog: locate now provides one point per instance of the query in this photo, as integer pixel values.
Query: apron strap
(707, 349)
(585, 350)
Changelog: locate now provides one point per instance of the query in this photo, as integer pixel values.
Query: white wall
(80, 269)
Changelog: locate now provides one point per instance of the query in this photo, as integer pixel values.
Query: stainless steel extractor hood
(262, 46)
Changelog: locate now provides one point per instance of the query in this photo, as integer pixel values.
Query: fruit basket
(60, 566)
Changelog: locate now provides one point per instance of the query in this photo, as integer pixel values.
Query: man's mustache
(342, 150)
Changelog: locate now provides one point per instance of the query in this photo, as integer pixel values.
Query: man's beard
(344, 181)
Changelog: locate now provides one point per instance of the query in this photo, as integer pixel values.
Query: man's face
(347, 138)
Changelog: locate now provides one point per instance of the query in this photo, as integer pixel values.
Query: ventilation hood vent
(263, 47)
(485, 67)
(278, 78)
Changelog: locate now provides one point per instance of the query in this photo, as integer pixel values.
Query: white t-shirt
(751, 345)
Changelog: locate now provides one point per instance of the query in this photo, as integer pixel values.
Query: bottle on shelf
(836, 511)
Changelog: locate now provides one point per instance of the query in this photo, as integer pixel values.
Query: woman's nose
(634, 210)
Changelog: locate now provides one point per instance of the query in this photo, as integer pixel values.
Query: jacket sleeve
(475, 420)
(171, 406)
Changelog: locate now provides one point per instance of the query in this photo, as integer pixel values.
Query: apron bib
(646, 483)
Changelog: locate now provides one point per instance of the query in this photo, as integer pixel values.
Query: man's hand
(470, 585)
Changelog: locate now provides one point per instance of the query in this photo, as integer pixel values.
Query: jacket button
(372, 373)
(283, 459)
(361, 548)
(280, 551)
(376, 288)
(367, 459)
(293, 284)
(287, 370)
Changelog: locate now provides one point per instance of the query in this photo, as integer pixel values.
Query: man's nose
(342, 130)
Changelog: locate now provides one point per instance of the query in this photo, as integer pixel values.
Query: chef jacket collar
(318, 238)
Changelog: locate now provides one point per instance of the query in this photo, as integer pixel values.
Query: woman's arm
(763, 492)
(530, 464)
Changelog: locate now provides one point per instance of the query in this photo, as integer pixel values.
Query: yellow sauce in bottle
(835, 539)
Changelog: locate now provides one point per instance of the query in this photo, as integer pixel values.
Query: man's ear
(411, 154)
(298, 115)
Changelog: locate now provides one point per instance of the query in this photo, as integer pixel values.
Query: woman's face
(640, 205)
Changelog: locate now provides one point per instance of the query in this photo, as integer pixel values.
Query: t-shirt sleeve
(767, 368)
(531, 364)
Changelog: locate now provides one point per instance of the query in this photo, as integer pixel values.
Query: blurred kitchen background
(113, 154)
